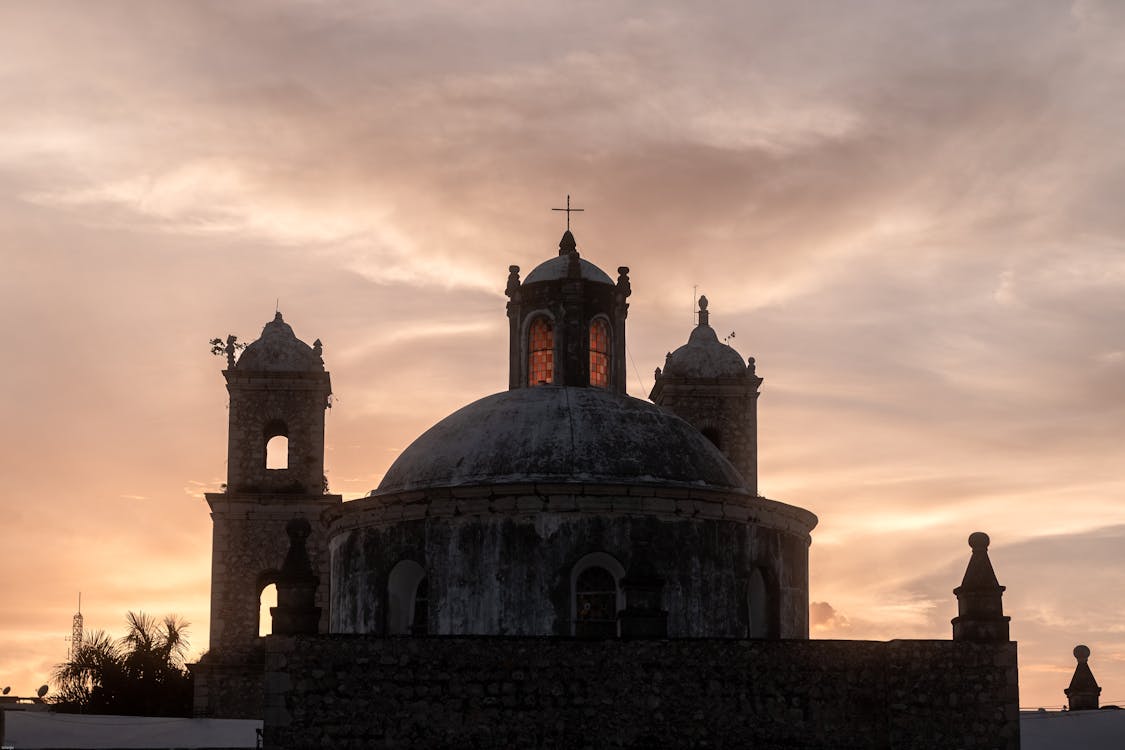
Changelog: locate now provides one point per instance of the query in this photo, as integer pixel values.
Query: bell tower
(567, 323)
(279, 391)
(706, 383)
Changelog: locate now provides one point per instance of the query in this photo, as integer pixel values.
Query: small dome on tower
(559, 267)
(704, 356)
(279, 350)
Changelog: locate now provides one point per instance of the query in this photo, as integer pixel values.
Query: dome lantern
(567, 323)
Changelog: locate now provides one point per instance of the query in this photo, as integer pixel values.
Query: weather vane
(568, 209)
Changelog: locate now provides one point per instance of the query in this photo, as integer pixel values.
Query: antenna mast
(76, 629)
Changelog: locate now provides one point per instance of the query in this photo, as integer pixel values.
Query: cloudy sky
(909, 213)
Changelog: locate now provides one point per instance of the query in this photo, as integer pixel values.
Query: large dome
(560, 435)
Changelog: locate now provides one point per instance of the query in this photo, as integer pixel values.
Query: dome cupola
(567, 323)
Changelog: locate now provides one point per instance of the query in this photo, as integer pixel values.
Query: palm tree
(139, 674)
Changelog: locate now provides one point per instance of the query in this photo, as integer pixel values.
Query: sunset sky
(911, 213)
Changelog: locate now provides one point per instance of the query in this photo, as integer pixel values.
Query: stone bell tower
(279, 391)
(706, 383)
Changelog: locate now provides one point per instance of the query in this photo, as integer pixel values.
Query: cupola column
(515, 319)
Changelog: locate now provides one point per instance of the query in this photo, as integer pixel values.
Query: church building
(552, 557)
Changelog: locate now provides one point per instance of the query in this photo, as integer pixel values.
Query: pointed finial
(513, 281)
(296, 612)
(1083, 693)
(567, 245)
(980, 611)
(704, 315)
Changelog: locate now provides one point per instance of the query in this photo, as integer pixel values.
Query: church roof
(704, 356)
(560, 435)
(279, 350)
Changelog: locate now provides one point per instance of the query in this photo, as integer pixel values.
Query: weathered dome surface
(279, 350)
(560, 434)
(704, 356)
(556, 268)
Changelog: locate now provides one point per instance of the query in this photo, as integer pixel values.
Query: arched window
(276, 434)
(599, 353)
(596, 596)
(406, 585)
(266, 600)
(541, 352)
(277, 452)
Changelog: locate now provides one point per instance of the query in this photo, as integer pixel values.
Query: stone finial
(230, 349)
(513, 281)
(1083, 693)
(623, 285)
(567, 244)
(704, 316)
(296, 612)
(656, 374)
(980, 611)
(318, 350)
(751, 366)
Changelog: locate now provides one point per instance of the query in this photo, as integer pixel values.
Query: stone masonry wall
(370, 692)
(722, 408)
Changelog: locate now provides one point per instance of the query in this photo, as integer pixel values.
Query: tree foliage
(142, 673)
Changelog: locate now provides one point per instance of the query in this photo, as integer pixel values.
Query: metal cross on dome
(568, 209)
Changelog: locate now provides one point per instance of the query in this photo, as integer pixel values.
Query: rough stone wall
(369, 692)
(248, 547)
(298, 401)
(722, 408)
(499, 559)
(230, 688)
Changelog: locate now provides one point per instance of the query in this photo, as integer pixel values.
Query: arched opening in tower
(266, 600)
(277, 452)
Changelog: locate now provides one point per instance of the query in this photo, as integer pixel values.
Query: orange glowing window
(599, 353)
(541, 353)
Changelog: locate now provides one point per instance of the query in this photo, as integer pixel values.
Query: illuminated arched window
(599, 353)
(277, 452)
(266, 601)
(541, 352)
(276, 433)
